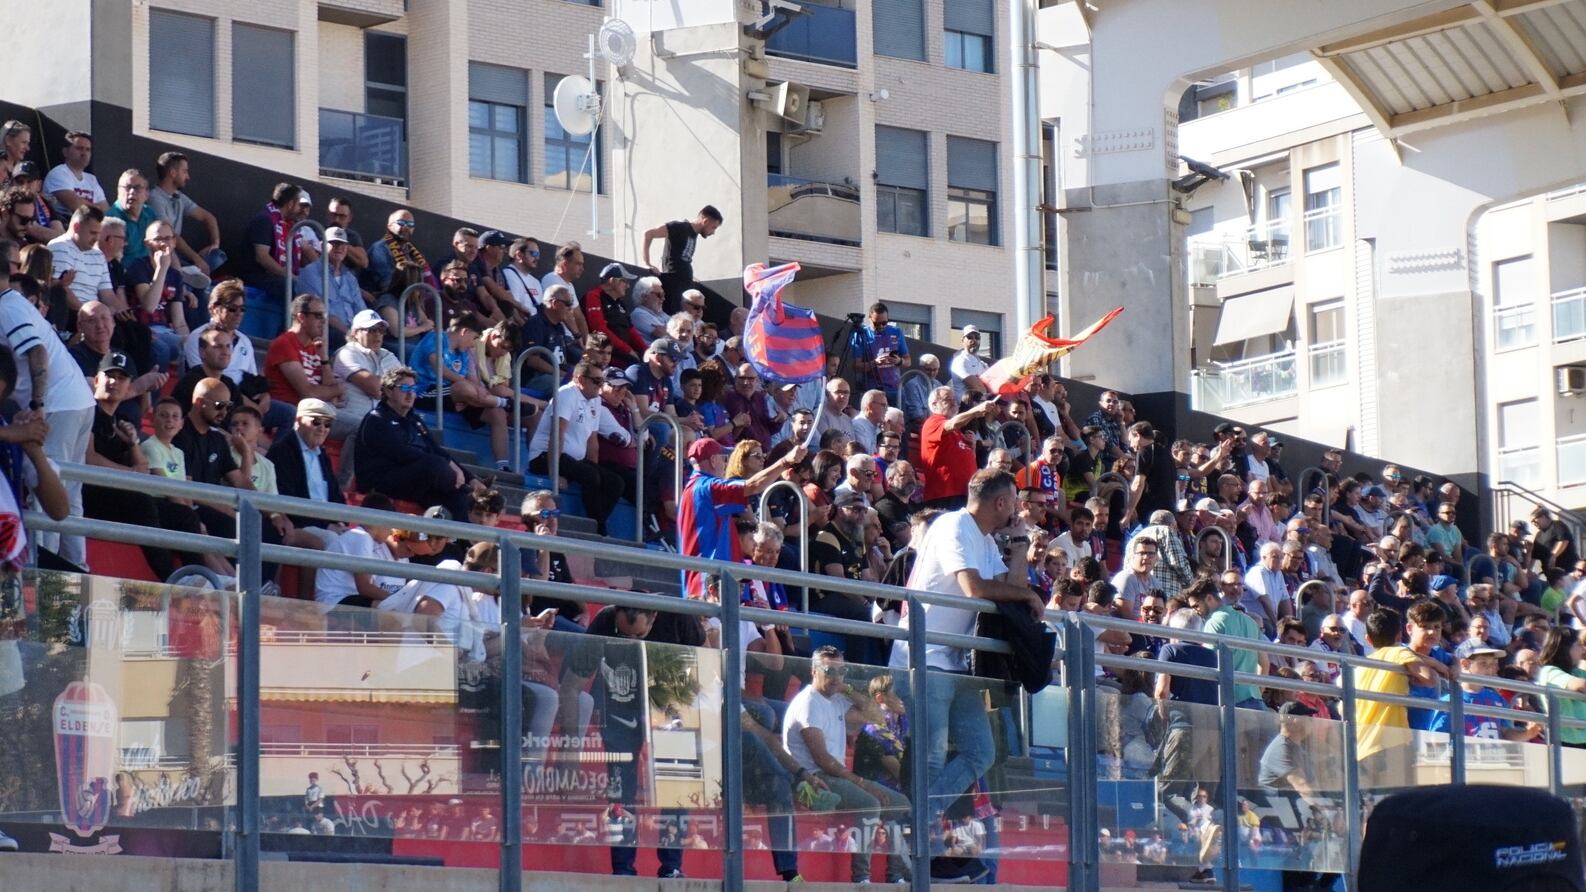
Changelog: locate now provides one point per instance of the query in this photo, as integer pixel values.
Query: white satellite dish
(616, 42)
(576, 105)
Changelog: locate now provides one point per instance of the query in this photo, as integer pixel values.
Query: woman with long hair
(1558, 666)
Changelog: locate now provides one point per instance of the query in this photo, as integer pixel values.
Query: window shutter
(900, 28)
(971, 17)
(497, 83)
(181, 73)
(263, 89)
(901, 158)
(971, 163)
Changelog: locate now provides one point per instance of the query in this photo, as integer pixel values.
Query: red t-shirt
(948, 457)
(287, 348)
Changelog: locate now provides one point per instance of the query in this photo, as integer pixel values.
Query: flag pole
(814, 437)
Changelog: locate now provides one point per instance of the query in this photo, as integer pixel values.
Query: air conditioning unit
(1571, 379)
(814, 120)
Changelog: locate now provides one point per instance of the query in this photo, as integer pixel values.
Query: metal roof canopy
(1481, 58)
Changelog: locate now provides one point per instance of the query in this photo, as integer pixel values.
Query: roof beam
(1516, 7)
(1489, 104)
(1521, 46)
(1345, 77)
(1439, 21)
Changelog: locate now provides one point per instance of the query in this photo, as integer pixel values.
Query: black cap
(494, 239)
(1471, 837)
(116, 362)
(1223, 428)
(618, 378)
(1295, 708)
(616, 271)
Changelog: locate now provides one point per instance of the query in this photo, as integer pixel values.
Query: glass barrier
(114, 709)
(1291, 786)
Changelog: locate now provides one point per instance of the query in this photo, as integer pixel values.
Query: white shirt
(866, 431)
(241, 353)
(1261, 581)
(353, 358)
(318, 488)
(645, 321)
(553, 278)
(952, 543)
(456, 621)
(1257, 468)
(1357, 631)
(92, 270)
(809, 709)
(332, 586)
(582, 415)
(24, 330)
(524, 287)
(965, 365)
(1076, 553)
(63, 179)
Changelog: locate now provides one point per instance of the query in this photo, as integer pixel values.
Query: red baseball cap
(705, 449)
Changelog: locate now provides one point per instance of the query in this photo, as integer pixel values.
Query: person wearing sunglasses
(302, 466)
(206, 448)
(397, 455)
(525, 288)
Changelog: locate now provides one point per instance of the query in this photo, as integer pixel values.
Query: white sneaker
(7, 844)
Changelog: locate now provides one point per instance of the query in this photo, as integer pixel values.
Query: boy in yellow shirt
(1382, 730)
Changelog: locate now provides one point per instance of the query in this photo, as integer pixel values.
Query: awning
(1253, 315)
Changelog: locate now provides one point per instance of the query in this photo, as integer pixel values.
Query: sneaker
(673, 874)
(7, 844)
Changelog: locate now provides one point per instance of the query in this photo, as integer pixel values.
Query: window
(990, 325)
(385, 74)
(1327, 350)
(1514, 289)
(904, 34)
(263, 86)
(1279, 76)
(914, 319)
(971, 191)
(1049, 170)
(1280, 202)
(902, 178)
(498, 122)
(181, 73)
(1324, 196)
(1519, 456)
(968, 27)
(566, 155)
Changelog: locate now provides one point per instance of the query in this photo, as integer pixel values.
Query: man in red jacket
(947, 451)
(606, 313)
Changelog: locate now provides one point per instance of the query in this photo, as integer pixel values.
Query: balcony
(361, 13)
(1262, 247)
(1569, 315)
(1324, 228)
(363, 147)
(1244, 383)
(1514, 326)
(1522, 465)
(824, 34)
(1329, 364)
(1571, 460)
(814, 210)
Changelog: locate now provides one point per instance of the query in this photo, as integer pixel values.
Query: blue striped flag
(781, 341)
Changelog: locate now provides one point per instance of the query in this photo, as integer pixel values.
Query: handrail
(291, 239)
(1327, 492)
(1002, 438)
(439, 332)
(1228, 546)
(553, 443)
(640, 436)
(804, 526)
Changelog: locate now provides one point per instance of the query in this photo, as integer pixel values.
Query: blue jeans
(768, 784)
(956, 715)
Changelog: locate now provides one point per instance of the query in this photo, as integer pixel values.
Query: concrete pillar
(437, 38)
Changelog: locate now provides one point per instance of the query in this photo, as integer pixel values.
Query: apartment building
(896, 186)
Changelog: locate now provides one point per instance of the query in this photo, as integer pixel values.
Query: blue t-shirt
(1483, 726)
(1421, 719)
(869, 343)
(423, 360)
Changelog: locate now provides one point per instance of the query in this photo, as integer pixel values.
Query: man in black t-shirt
(1553, 544)
(1155, 484)
(206, 448)
(677, 271)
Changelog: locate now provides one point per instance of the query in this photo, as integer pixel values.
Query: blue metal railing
(823, 34)
(362, 146)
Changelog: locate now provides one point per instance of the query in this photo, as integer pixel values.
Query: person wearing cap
(81, 265)
(397, 455)
(1373, 509)
(577, 425)
(489, 270)
(302, 467)
(1286, 773)
(114, 445)
(359, 365)
(652, 378)
(263, 264)
(44, 225)
(69, 184)
(96, 326)
(705, 524)
(606, 312)
(344, 299)
(1477, 661)
(967, 366)
(618, 445)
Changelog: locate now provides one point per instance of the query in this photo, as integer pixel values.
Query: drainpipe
(1029, 264)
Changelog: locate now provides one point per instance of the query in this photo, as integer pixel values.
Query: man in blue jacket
(397, 456)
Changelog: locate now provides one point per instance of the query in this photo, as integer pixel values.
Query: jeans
(624, 777)
(956, 715)
(167, 346)
(768, 784)
(867, 818)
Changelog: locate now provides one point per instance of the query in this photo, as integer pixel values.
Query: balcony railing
(1522, 465)
(1324, 227)
(1514, 326)
(1569, 315)
(1216, 257)
(362, 147)
(1243, 383)
(1571, 460)
(822, 34)
(1329, 364)
(1567, 192)
(813, 210)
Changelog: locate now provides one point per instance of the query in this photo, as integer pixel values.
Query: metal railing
(820, 33)
(553, 443)
(1571, 457)
(1514, 325)
(291, 274)
(641, 435)
(804, 526)
(362, 147)
(439, 331)
(1324, 227)
(1217, 256)
(1248, 381)
(1078, 659)
(1507, 492)
(1569, 315)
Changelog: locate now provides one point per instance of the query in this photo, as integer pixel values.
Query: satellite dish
(616, 42)
(576, 105)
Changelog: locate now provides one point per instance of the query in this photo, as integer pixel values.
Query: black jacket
(387, 441)
(291, 477)
(1033, 642)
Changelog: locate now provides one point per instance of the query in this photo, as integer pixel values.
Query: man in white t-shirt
(69, 185)
(334, 588)
(967, 366)
(522, 284)
(49, 382)
(77, 252)
(815, 733)
(960, 556)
